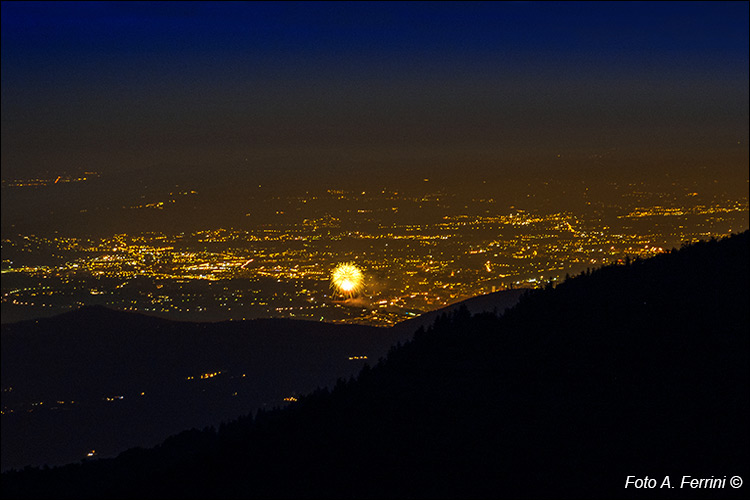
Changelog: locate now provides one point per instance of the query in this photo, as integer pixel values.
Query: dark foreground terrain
(105, 380)
(639, 369)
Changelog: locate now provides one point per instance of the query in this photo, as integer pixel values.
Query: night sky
(375, 90)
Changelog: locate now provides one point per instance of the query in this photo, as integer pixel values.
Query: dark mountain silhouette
(639, 369)
(495, 302)
(94, 356)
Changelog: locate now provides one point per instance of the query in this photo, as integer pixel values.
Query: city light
(285, 270)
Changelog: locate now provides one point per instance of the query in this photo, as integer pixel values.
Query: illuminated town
(457, 249)
(372, 249)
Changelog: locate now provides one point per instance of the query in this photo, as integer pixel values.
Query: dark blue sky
(364, 87)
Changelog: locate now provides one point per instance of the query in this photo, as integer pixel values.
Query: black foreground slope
(631, 370)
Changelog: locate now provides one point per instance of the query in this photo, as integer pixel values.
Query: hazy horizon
(151, 150)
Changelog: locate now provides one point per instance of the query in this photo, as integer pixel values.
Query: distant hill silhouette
(94, 353)
(638, 369)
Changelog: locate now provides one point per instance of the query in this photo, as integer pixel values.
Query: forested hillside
(637, 369)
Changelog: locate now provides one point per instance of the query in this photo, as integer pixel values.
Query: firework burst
(347, 280)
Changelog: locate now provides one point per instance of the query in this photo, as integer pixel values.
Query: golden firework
(347, 279)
